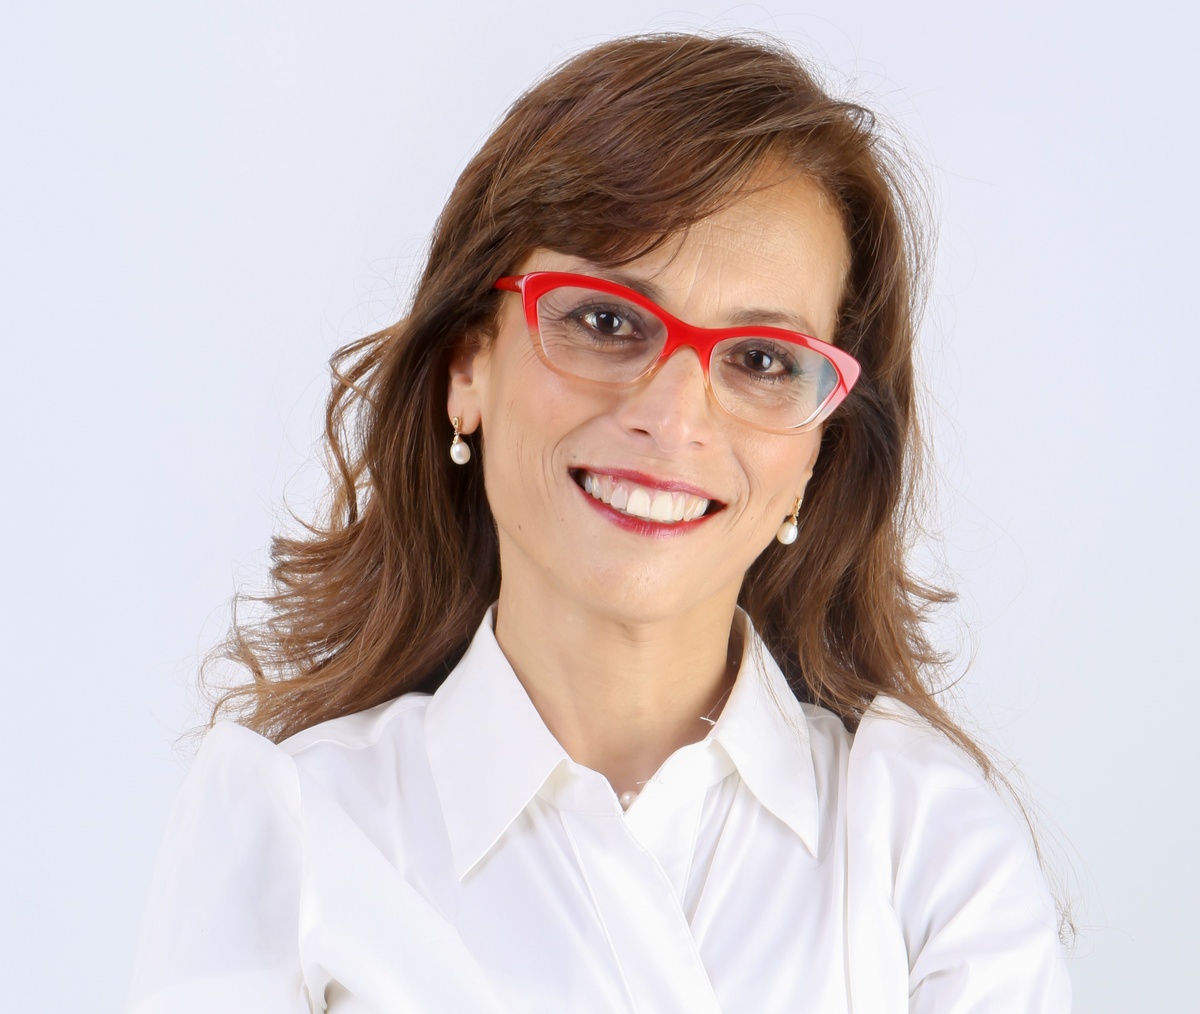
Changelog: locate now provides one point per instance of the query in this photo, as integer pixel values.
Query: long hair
(618, 149)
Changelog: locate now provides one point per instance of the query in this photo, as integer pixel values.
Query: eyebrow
(743, 316)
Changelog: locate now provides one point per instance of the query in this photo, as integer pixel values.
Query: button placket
(642, 916)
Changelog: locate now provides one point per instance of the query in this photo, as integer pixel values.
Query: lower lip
(640, 526)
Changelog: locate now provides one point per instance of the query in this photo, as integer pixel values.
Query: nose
(672, 406)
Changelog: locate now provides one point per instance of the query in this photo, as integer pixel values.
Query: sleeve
(953, 874)
(221, 931)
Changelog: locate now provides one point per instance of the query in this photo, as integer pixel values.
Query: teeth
(639, 503)
(659, 505)
(662, 508)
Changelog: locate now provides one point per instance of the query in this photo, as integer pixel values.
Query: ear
(468, 376)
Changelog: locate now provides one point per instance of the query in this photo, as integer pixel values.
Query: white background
(201, 201)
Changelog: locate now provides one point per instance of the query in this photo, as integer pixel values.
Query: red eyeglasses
(596, 330)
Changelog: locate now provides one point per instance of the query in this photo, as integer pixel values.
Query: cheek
(778, 468)
(528, 414)
(529, 404)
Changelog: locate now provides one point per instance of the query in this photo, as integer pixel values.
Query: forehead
(778, 250)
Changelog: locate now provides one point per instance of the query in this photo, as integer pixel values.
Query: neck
(620, 695)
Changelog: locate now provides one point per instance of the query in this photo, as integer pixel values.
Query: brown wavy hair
(621, 147)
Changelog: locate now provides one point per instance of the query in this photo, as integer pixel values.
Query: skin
(622, 637)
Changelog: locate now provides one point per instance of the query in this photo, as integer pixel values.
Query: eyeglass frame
(680, 334)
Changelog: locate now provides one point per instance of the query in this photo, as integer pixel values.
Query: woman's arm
(221, 928)
(936, 854)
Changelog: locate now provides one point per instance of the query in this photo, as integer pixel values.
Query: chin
(639, 592)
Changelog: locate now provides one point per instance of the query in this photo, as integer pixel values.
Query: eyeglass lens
(601, 337)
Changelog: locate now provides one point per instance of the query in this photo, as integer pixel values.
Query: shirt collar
(490, 752)
(764, 730)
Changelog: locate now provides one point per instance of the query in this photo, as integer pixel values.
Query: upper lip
(649, 481)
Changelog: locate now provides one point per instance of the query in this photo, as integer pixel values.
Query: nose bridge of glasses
(681, 335)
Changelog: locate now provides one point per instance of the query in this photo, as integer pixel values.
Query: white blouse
(443, 853)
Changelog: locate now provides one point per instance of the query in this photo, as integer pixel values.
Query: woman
(601, 689)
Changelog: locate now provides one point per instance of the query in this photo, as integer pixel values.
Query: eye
(608, 322)
(764, 361)
(603, 321)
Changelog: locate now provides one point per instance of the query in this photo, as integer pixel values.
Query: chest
(707, 907)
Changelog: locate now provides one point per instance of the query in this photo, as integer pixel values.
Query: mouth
(645, 500)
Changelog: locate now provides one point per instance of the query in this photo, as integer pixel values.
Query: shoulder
(229, 750)
(911, 787)
(367, 773)
(898, 748)
(358, 733)
(236, 769)
(368, 748)
(352, 759)
(897, 770)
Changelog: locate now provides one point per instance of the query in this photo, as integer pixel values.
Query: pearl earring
(791, 527)
(460, 451)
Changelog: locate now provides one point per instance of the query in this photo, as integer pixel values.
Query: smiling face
(648, 501)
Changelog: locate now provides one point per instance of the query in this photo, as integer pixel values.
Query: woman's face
(777, 256)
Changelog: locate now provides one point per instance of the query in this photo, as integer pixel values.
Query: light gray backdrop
(200, 201)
